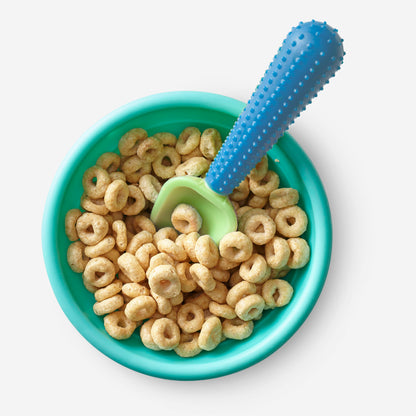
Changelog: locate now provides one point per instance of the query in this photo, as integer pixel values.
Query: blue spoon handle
(307, 59)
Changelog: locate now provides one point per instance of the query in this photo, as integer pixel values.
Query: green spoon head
(217, 213)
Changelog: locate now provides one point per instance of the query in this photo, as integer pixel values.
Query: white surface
(67, 64)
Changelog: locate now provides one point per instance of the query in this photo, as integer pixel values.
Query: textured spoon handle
(307, 59)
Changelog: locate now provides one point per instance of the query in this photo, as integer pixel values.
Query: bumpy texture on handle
(307, 59)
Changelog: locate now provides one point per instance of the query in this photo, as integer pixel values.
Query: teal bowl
(173, 112)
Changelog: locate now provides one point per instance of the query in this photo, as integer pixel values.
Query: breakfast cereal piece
(242, 210)
(250, 307)
(190, 317)
(130, 141)
(150, 186)
(108, 291)
(165, 333)
(95, 181)
(225, 264)
(177, 300)
(222, 310)
(283, 197)
(200, 299)
(142, 237)
(266, 185)
(282, 272)
(135, 202)
(220, 275)
(291, 221)
(118, 325)
(260, 170)
(211, 334)
(165, 232)
(71, 219)
(194, 166)
(120, 233)
(247, 214)
(202, 276)
(241, 192)
(257, 201)
(113, 256)
(76, 257)
(91, 288)
(116, 195)
(236, 247)
(146, 336)
(167, 139)
(99, 249)
(164, 281)
(108, 305)
(277, 252)
(109, 161)
(118, 175)
(195, 153)
(144, 254)
(219, 293)
(99, 272)
(260, 228)
(134, 168)
(210, 143)
(138, 223)
(165, 164)
(189, 245)
(130, 266)
(206, 251)
(299, 253)
(185, 277)
(276, 293)
(172, 249)
(255, 269)
(239, 291)
(237, 328)
(188, 345)
(149, 149)
(188, 140)
(132, 290)
(141, 307)
(186, 219)
(159, 260)
(96, 206)
(235, 278)
(164, 306)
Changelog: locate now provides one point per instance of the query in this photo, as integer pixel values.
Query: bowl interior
(173, 112)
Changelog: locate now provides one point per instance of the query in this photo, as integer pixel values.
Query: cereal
(222, 310)
(186, 219)
(291, 221)
(237, 328)
(189, 245)
(276, 293)
(185, 277)
(225, 264)
(255, 269)
(177, 300)
(165, 164)
(143, 237)
(145, 253)
(220, 275)
(260, 228)
(188, 345)
(241, 192)
(164, 281)
(210, 143)
(116, 195)
(71, 219)
(130, 141)
(108, 291)
(190, 317)
(117, 175)
(138, 223)
(140, 307)
(206, 251)
(167, 139)
(135, 201)
(149, 149)
(159, 260)
(108, 305)
(188, 140)
(257, 201)
(109, 161)
(130, 266)
(283, 197)
(239, 291)
(219, 293)
(194, 166)
(236, 247)
(99, 249)
(91, 228)
(96, 206)
(200, 299)
(95, 189)
(164, 306)
(165, 333)
(172, 249)
(120, 232)
(299, 253)
(277, 252)
(163, 233)
(195, 153)
(132, 290)
(250, 307)
(99, 272)
(266, 185)
(118, 325)
(202, 276)
(146, 336)
(76, 257)
(134, 168)
(150, 186)
(211, 334)
(260, 170)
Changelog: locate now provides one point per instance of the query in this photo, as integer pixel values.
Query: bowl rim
(144, 105)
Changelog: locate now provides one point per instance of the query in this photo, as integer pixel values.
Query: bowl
(173, 111)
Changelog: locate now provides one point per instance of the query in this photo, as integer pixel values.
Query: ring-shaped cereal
(167, 139)
(291, 221)
(194, 166)
(160, 259)
(108, 305)
(222, 310)
(165, 232)
(76, 257)
(200, 299)
(71, 219)
(241, 192)
(239, 291)
(188, 140)
(257, 201)
(177, 300)
(242, 210)
(118, 175)
(164, 281)
(283, 197)
(146, 336)
(165, 333)
(130, 266)
(220, 275)
(299, 253)
(165, 164)
(210, 143)
(95, 189)
(260, 228)
(219, 293)
(120, 234)
(172, 249)
(141, 307)
(185, 277)
(109, 161)
(118, 325)
(260, 170)
(250, 307)
(276, 293)
(266, 185)
(247, 214)
(113, 256)
(190, 317)
(255, 269)
(99, 272)
(144, 254)
(132, 290)
(189, 245)
(236, 247)
(129, 142)
(188, 345)
(134, 168)
(116, 195)
(195, 153)
(277, 252)
(149, 149)
(96, 206)
(139, 239)
(101, 248)
(135, 202)
(225, 264)
(206, 251)
(202, 276)
(164, 306)
(150, 186)
(234, 279)
(211, 334)
(138, 223)
(108, 291)
(237, 328)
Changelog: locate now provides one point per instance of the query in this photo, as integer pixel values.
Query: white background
(67, 64)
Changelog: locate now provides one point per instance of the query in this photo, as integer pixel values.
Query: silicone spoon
(309, 56)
